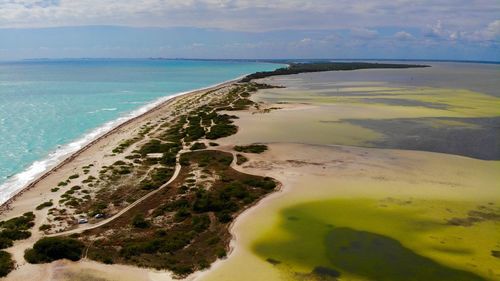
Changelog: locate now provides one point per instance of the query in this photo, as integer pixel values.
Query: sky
(251, 29)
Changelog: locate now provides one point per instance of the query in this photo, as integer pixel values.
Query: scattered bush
(44, 205)
(158, 177)
(181, 215)
(6, 263)
(44, 227)
(253, 148)
(49, 249)
(266, 183)
(198, 146)
(5, 242)
(221, 130)
(139, 221)
(240, 159)
(23, 222)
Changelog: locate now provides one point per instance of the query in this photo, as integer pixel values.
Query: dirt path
(126, 209)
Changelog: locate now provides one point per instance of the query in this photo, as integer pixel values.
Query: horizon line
(255, 59)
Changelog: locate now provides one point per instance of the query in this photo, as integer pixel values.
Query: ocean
(51, 108)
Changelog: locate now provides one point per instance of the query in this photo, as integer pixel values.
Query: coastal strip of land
(165, 191)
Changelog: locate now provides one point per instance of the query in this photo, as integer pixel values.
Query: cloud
(251, 15)
(403, 35)
(322, 26)
(493, 30)
(364, 33)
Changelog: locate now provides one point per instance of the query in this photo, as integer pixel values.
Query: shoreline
(233, 246)
(155, 106)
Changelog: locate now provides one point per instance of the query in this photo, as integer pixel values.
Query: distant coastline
(263, 60)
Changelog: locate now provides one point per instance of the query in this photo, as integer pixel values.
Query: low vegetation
(198, 146)
(240, 159)
(44, 205)
(15, 229)
(183, 227)
(253, 148)
(49, 249)
(296, 68)
(6, 263)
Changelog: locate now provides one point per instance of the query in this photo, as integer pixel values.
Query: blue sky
(419, 29)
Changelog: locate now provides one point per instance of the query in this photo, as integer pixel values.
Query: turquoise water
(51, 108)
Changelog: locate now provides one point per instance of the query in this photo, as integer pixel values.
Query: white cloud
(364, 33)
(455, 21)
(403, 35)
(493, 30)
(251, 15)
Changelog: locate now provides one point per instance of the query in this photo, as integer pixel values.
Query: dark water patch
(273, 261)
(456, 251)
(481, 140)
(339, 93)
(319, 273)
(323, 271)
(379, 257)
(405, 102)
(483, 213)
(495, 254)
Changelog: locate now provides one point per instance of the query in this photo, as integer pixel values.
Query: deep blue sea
(51, 108)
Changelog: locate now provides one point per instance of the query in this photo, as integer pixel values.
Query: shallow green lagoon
(365, 239)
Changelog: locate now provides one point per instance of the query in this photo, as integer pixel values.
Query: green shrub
(253, 148)
(5, 242)
(49, 249)
(159, 176)
(23, 222)
(221, 253)
(200, 223)
(221, 130)
(44, 227)
(15, 234)
(74, 176)
(6, 263)
(198, 146)
(240, 159)
(181, 215)
(266, 183)
(139, 221)
(44, 205)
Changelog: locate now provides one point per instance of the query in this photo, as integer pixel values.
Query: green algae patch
(387, 239)
(379, 257)
(430, 102)
(445, 120)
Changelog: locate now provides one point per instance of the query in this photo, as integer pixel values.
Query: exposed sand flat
(86, 270)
